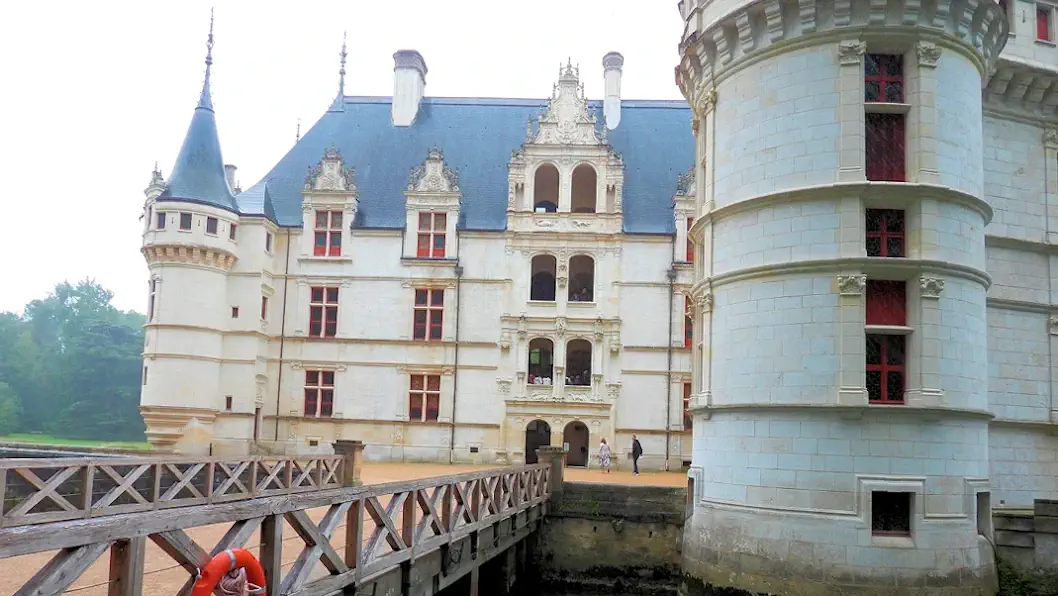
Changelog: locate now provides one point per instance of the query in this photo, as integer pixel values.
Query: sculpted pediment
(331, 174)
(567, 120)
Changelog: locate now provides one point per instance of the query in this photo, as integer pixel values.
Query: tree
(9, 410)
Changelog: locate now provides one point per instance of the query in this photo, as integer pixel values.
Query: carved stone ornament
(685, 184)
(704, 302)
(613, 389)
(598, 328)
(1054, 324)
(566, 120)
(615, 342)
(433, 175)
(503, 386)
(1050, 138)
(706, 102)
(931, 287)
(560, 326)
(331, 174)
(852, 285)
(505, 339)
(851, 51)
(928, 54)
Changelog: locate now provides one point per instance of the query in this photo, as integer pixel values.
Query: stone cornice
(200, 256)
(1023, 90)
(717, 41)
(1037, 246)
(865, 410)
(910, 267)
(878, 191)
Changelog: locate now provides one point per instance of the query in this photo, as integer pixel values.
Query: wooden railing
(386, 526)
(38, 491)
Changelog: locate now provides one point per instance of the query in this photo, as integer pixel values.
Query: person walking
(637, 450)
(605, 455)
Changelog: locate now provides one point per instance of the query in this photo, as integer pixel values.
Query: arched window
(542, 282)
(541, 361)
(578, 363)
(545, 189)
(585, 183)
(582, 279)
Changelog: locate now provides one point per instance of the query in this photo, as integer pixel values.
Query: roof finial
(204, 101)
(339, 100)
(297, 136)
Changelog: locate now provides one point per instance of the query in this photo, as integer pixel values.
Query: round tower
(189, 242)
(840, 397)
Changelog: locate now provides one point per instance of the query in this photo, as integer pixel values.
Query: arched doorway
(537, 434)
(576, 435)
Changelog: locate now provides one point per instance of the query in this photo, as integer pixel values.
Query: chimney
(229, 173)
(611, 107)
(409, 81)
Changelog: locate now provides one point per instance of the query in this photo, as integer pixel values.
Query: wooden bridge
(416, 537)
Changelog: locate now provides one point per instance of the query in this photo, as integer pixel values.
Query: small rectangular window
(891, 513)
(883, 78)
(319, 393)
(144, 376)
(160, 220)
(235, 312)
(227, 402)
(885, 147)
(231, 231)
(424, 399)
(268, 241)
(984, 513)
(152, 294)
(264, 308)
(323, 312)
(1043, 23)
(885, 233)
(688, 322)
(185, 221)
(211, 226)
(428, 314)
(885, 368)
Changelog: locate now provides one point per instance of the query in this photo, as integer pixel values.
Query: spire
(198, 174)
(204, 101)
(339, 100)
(297, 135)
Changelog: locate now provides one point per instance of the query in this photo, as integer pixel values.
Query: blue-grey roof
(477, 137)
(198, 174)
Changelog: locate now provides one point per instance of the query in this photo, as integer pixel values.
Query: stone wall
(612, 539)
(1029, 540)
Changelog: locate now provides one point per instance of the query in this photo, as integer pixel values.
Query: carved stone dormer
(432, 202)
(565, 167)
(330, 200)
(684, 210)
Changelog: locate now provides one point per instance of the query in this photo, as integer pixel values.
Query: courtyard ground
(163, 577)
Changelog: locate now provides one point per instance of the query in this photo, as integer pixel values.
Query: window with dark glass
(885, 140)
(883, 78)
(323, 312)
(431, 238)
(688, 419)
(688, 322)
(885, 358)
(232, 230)
(319, 393)
(885, 233)
(891, 513)
(159, 220)
(690, 245)
(424, 399)
(211, 226)
(185, 221)
(328, 239)
(429, 314)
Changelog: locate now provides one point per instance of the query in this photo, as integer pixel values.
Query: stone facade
(793, 457)
(423, 338)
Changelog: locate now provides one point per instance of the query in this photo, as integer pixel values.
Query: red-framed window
(185, 221)
(1043, 23)
(232, 230)
(431, 242)
(688, 419)
(690, 245)
(323, 312)
(328, 240)
(152, 293)
(264, 308)
(886, 302)
(424, 399)
(885, 368)
(429, 314)
(883, 78)
(159, 223)
(688, 322)
(885, 233)
(886, 147)
(319, 393)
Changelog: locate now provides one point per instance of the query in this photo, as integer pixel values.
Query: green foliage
(1014, 581)
(71, 366)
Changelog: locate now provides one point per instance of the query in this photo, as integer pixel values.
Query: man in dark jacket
(637, 450)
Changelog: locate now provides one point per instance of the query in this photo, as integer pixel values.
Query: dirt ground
(163, 577)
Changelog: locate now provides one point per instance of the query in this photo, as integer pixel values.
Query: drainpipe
(282, 332)
(455, 369)
(671, 274)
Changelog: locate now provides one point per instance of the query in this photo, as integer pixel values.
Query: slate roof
(477, 137)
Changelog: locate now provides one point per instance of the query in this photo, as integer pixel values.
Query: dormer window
(431, 242)
(328, 239)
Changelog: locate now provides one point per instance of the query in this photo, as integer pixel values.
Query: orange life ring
(231, 559)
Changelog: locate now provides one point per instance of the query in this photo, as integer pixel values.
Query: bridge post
(353, 452)
(554, 455)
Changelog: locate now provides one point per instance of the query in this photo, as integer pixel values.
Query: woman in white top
(605, 455)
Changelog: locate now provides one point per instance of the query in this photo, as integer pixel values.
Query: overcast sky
(96, 92)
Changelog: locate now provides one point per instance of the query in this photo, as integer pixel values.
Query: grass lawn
(61, 442)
